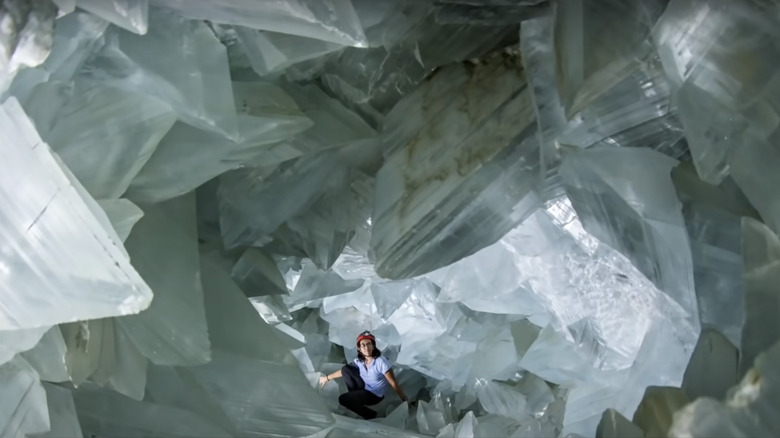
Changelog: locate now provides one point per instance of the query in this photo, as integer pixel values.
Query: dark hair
(374, 353)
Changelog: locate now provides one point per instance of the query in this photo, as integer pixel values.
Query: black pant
(357, 397)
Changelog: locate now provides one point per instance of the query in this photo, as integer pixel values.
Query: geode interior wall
(559, 218)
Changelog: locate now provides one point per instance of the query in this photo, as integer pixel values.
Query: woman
(366, 377)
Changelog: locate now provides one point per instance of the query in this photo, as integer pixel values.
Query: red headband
(365, 336)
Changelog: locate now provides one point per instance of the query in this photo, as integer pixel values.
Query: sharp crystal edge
(55, 246)
(328, 20)
(24, 409)
(132, 15)
(554, 216)
(737, 136)
(457, 152)
(163, 247)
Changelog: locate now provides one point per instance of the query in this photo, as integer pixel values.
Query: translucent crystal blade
(62, 413)
(480, 147)
(625, 197)
(371, 81)
(55, 246)
(597, 42)
(536, 46)
(17, 341)
(501, 399)
(76, 37)
(324, 229)
(164, 248)
(128, 14)
(328, 20)
(761, 252)
(272, 52)
(123, 215)
(178, 61)
(256, 274)
(48, 356)
(188, 157)
(177, 387)
(104, 412)
(234, 325)
(281, 402)
(703, 46)
(24, 410)
(713, 219)
(134, 122)
(245, 194)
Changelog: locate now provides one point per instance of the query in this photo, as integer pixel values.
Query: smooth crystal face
(557, 218)
(59, 262)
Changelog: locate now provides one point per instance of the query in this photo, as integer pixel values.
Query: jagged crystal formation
(728, 112)
(59, 262)
(558, 218)
(456, 149)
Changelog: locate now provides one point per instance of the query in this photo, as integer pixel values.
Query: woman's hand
(323, 381)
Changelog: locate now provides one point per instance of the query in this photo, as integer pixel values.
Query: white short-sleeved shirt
(374, 375)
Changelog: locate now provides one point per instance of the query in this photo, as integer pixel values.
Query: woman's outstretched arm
(328, 377)
(394, 384)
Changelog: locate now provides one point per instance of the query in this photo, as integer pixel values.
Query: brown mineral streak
(474, 100)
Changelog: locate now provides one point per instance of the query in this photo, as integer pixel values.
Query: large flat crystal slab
(164, 248)
(62, 413)
(188, 157)
(761, 252)
(272, 52)
(123, 215)
(17, 341)
(23, 408)
(279, 401)
(322, 232)
(48, 357)
(729, 113)
(103, 412)
(234, 325)
(177, 387)
(128, 14)
(536, 47)
(461, 159)
(178, 61)
(245, 194)
(625, 197)
(328, 20)
(371, 81)
(133, 122)
(596, 42)
(76, 37)
(256, 274)
(713, 219)
(54, 246)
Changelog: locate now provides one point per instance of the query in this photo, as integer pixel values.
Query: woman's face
(366, 347)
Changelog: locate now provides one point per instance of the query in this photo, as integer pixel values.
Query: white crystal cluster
(558, 218)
